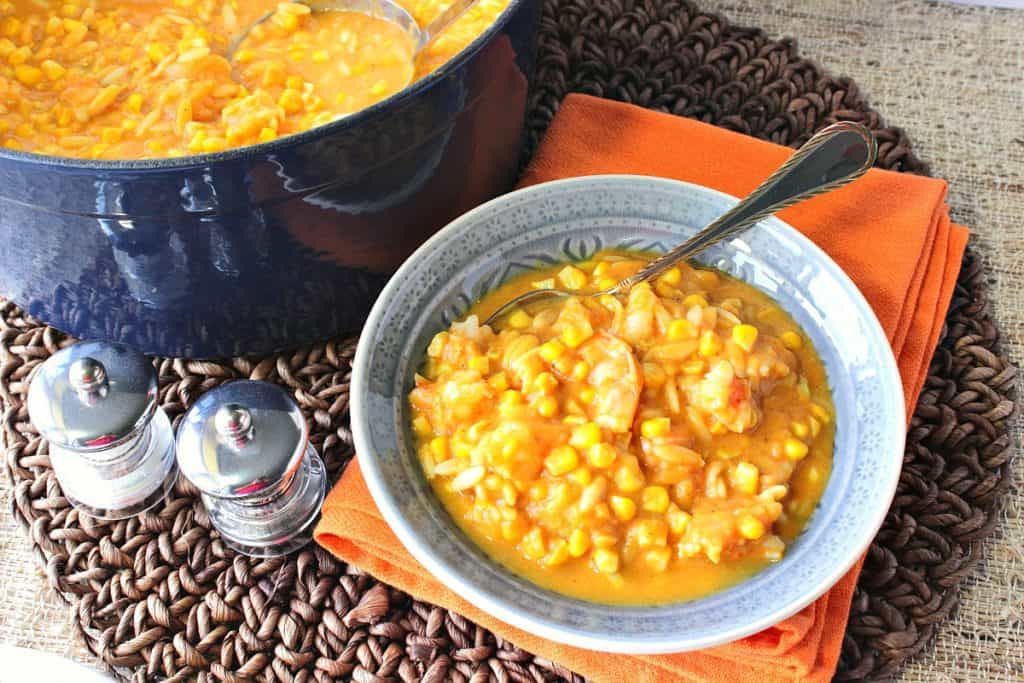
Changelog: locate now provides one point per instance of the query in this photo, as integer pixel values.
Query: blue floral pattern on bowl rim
(570, 220)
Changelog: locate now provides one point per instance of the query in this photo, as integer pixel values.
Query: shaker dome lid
(241, 439)
(92, 395)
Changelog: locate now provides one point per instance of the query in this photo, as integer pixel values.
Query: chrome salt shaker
(111, 446)
(245, 446)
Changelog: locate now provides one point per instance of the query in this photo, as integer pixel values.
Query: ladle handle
(448, 17)
(835, 156)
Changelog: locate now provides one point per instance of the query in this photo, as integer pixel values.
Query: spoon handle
(441, 22)
(833, 157)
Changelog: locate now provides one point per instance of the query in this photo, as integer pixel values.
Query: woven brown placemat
(160, 596)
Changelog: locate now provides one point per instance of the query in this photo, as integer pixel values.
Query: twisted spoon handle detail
(834, 156)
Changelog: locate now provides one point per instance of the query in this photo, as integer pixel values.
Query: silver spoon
(384, 9)
(835, 156)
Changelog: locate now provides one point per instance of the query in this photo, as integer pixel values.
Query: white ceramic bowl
(570, 220)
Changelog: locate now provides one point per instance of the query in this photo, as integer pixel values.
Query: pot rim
(395, 101)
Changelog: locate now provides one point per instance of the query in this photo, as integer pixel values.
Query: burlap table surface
(950, 76)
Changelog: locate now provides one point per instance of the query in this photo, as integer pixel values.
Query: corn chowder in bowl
(660, 471)
(630, 449)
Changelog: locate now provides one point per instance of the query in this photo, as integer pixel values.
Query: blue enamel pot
(269, 246)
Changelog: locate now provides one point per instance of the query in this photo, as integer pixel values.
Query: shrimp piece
(617, 381)
(638, 323)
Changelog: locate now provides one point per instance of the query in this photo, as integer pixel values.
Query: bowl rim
(449, 576)
(352, 121)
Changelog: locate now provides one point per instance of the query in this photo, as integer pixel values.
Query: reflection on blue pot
(272, 246)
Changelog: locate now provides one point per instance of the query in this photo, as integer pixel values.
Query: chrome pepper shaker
(111, 446)
(245, 446)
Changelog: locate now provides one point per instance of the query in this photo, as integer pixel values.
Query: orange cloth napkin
(889, 231)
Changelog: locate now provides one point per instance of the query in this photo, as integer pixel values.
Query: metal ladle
(835, 156)
(383, 9)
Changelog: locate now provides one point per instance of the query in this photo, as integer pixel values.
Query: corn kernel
(157, 52)
(547, 283)
(52, 69)
(606, 561)
(606, 283)
(815, 427)
(655, 427)
(267, 134)
(439, 448)
(320, 56)
(480, 363)
(792, 340)
(745, 477)
(745, 336)
(601, 269)
(572, 277)
(695, 300)
(520, 320)
(601, 455)
(510, 397)
(624, 508)
(585, 436)
(657, 559)
(421, 426)
(552, 350)
(672, 276)
(800, 429)
(681, 329)
(710, 344)
(545, 383)
(291, 101)
(581, 475)
(561, 460)
(532, 545)
(587, 395)
(574, 336)
(654, 499)
(751, 528)
(29, 75)
(379, 88)
(677, 519)
(794, 449)
(579, 543)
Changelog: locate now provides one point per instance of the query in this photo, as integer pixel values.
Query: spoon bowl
(388, 10)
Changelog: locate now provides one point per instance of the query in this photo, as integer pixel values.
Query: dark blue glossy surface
(272, 246)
